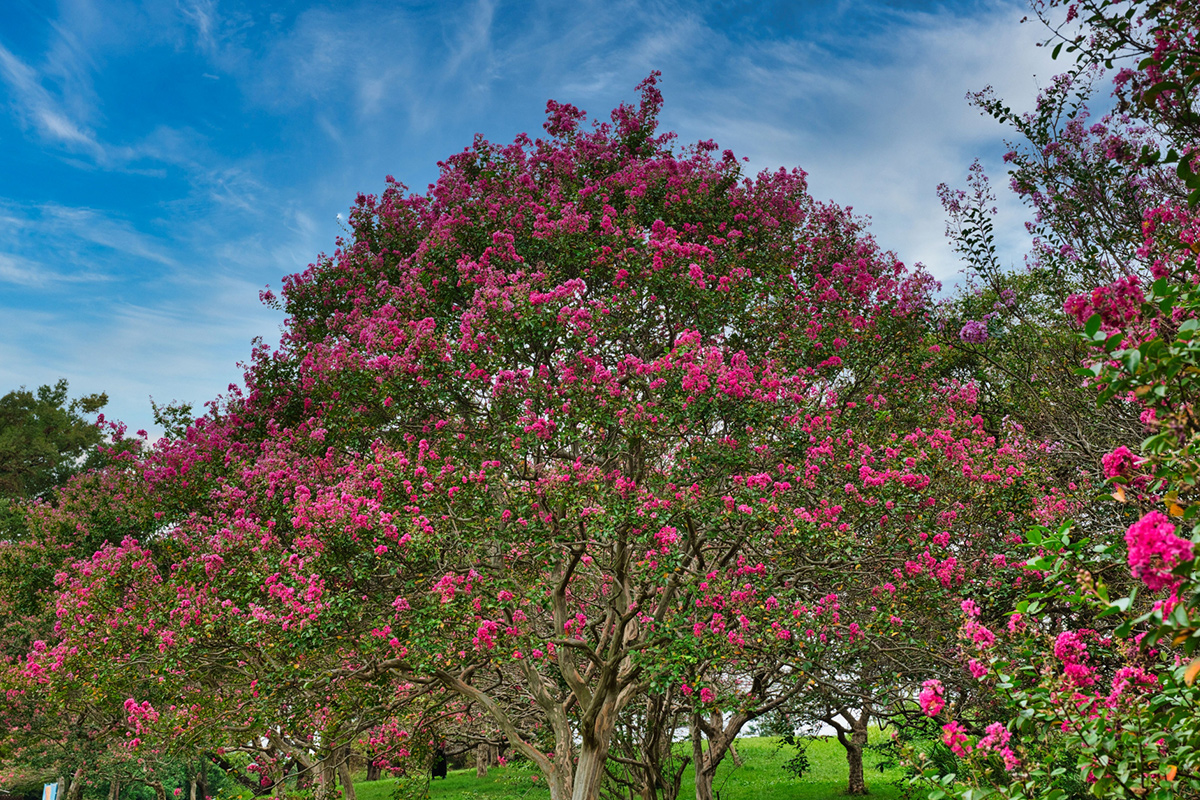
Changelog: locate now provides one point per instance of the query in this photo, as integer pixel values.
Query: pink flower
(667, 535)
(1071, 649)
(932, 699)
(954, 737)
(1118, 462)
(997, 737)
(978, 633)
(707, 695)
(1117, 304)
(1154, 550)
(974, 332)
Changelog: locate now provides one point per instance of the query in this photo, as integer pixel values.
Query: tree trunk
(343, 768)
(75, 788)
(721, 735)
(373, 770)
(202, 780)
(704, 777)
(160, 792)
(559, 783)
(484, 758)
(114, 789)
(326, 778)
(733, 753)
(589, 772)
(854, 739)
(664, 771)
(854, 757)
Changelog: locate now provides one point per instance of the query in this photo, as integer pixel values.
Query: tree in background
(44, 439)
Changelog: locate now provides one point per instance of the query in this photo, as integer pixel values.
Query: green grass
(761, 777)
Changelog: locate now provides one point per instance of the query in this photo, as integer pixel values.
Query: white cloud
(184, 348)
(68, 228)
(37, 108)
(201, 15)
(474, 39)
(880, 132)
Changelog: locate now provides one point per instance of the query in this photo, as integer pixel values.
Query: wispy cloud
(202, 16)
(879, 126)
(32, 274)
(39, 109)
(473, 40)
(173, 350)
(65, 229)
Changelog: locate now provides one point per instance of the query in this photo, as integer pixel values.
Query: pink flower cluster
(1118, 463)
(932, 698)
(1118, 303)
(1071, 649)
(996, 740)
(1154, 550)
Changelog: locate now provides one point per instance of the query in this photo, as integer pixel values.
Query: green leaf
(1154, 91)
(1122, 603)
(1133, 360)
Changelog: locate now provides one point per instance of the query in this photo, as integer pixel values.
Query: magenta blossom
(974, 332)
(1154, 550)
(932, 699)
(1117, 463)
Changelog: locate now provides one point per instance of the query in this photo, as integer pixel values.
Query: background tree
(45, 437)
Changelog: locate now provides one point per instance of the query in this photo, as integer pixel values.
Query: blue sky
(161, 162)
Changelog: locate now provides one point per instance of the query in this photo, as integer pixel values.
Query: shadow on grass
(761, 777)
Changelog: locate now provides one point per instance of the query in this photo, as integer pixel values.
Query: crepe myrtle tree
(247, 638)
(517, 428)
(585, 360)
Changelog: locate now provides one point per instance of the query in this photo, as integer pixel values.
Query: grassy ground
(761, 777)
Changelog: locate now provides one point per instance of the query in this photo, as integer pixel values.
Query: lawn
(761, 777)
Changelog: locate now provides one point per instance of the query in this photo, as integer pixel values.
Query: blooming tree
(1094, 670)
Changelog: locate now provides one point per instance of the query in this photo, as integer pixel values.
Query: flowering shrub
(1093, 690)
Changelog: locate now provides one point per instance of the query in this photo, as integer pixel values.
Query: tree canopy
(44, 438)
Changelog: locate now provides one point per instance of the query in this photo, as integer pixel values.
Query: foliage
(1095, 692)
(44, 439)
(596, 438)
